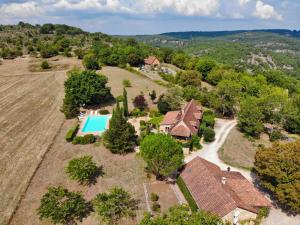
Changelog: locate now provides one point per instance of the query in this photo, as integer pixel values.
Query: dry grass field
(139, 83)
(239, 151)
(30, 126)
(125, 171)
(30, 119)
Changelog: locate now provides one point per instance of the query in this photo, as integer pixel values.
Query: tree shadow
(88, 209)
(99, 173)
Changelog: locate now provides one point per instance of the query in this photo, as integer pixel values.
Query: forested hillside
(253, 50)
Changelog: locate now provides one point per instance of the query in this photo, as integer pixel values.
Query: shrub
(104, 112)
(154, 113)
(72, 133)
(208, 118)
(126, 83)
(208, 134)
(138, 113)
(263, 212)
(83, 169)
(275, 135)
(45, 65)
(154, 197)
(143, 123)
(86, 139)
(140, 102)
(120, 98)
(156, 207)
(194, 143)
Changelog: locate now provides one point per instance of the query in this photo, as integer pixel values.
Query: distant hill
(196, 34)
(251, 49)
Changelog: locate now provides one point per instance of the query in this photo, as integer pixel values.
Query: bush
(154, 197)
(86, 139)
(275, 135)
(104, 112)
(138, 113)
(72, 133)
(187, 194)
(156, 207)
(208, 134)
(126, 83)
(208, 118)
(45, 65)
(264, 212)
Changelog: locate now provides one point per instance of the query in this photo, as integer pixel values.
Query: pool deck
(82, 124)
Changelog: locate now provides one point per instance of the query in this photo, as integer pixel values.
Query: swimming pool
(96, 124)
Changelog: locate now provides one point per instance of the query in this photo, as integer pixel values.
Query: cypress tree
(120, 138)
(125, 103)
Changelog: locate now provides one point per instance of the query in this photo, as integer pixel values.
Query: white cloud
(20, 10)
(182, 7)
(100, 5)
(266, 11)
(243, 2)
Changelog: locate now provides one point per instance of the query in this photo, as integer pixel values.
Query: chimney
(223, 180)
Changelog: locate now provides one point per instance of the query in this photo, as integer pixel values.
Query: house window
(167, 129)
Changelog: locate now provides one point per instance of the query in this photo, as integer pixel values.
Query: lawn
(139, 84)
(239, 151)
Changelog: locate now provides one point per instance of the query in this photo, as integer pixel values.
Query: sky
(155, 16)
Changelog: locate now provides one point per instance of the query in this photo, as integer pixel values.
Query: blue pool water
(96, 123)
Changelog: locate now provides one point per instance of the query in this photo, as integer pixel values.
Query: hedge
(72, 133)
(87, 139)
(185, 191)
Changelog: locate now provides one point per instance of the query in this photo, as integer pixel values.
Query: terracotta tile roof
(188, 120)
(170, 118)
(151, 60)
(204, 181)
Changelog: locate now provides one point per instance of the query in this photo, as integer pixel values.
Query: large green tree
(250, 116)
(162, 153)
(181, 215)
(62, 206)
(278, 168)
(189, 77)
(115, 205)
(120, 138)
(169, 101)
(87, 88)
(291, 116)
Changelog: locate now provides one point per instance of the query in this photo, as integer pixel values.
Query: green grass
(189, 198)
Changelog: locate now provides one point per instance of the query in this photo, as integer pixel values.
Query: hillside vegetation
(254, 50)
